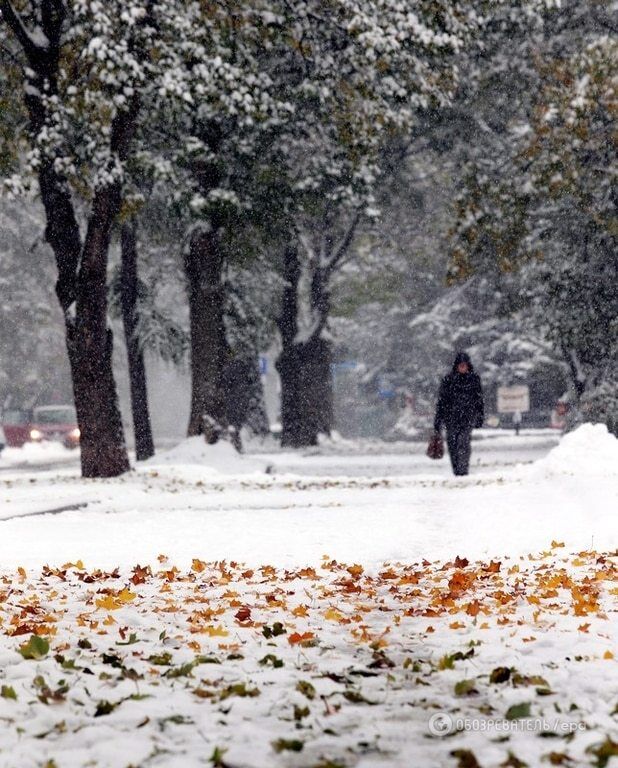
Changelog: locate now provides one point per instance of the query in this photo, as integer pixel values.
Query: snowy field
(357, 606)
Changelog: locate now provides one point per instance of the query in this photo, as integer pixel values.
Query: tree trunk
(304, 366)
(204, 271)
(244, 396)
(144, 447)
(103, 449)
(288, 364)
(317, 385)
(82, 269)
(257, 418)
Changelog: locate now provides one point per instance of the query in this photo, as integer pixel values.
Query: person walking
(460, 409)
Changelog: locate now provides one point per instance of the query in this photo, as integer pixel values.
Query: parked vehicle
(2, 440)
(16, 427)
(55, 422)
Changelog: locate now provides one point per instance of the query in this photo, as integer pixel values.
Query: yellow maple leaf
(108, 603)
(211, 631)
(608, 655)
(533, 599)
(332, 614)
(114, 602)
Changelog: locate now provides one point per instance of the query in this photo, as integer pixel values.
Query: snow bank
(221, 458)
(588, 450)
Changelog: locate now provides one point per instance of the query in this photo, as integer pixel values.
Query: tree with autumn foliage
(547, 215)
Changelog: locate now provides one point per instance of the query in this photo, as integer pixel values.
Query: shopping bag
(435, 449)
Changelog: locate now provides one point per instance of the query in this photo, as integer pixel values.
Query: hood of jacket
(463, 357)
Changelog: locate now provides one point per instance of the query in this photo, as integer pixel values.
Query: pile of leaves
(317, 666)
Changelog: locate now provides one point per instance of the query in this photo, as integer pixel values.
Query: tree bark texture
(103, 448)
(209, 351)
(304, 367)
(144, 446)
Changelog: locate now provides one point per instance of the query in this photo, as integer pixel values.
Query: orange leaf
(295, 638)
(139, 574)
(355, 571)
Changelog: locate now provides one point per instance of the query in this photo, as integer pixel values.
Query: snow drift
(36, 454)
(219, 458)
(589, 450)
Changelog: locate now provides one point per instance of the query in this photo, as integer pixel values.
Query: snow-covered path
(294, 521)
(491, 449)
(187, 510)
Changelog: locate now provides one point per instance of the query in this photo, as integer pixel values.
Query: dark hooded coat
(460, 400)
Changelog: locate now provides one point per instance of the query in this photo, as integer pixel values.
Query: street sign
(514, 399)
(263, 365)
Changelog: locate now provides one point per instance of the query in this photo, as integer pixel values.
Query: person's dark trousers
(458, 442)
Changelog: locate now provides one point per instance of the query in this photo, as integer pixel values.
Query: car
(55, 422)
(16, 426)
(2, 440)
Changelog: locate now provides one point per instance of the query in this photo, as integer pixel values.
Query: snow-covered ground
(492, 448)
(339, 609)
(35, 455)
